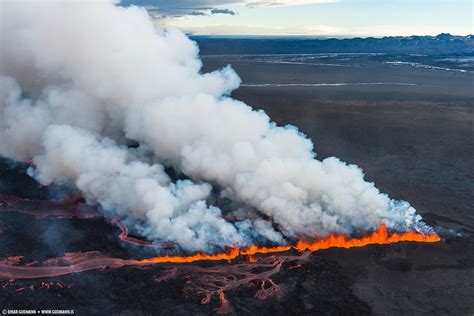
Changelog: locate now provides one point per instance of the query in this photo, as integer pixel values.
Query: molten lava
(380, 236)
(85, 262)
(11, 268)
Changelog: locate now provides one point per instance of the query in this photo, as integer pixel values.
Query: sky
(343, 18)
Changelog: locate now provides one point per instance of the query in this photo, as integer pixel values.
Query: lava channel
(80, 262)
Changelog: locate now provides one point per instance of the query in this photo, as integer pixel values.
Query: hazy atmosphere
(342, 18)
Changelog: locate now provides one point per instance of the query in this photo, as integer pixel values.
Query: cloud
(223, 11)
(165, 8)
(198, 13)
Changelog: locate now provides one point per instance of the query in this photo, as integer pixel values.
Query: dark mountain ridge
(442, 43)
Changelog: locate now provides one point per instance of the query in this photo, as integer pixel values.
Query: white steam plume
(79, 80)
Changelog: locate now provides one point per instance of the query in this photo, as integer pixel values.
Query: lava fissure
(380, 236)
(209, 284)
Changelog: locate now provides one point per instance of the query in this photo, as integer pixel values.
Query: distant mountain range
(440, 44)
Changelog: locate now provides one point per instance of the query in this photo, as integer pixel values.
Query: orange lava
(80, 262)
(380, 236)
(229, 255)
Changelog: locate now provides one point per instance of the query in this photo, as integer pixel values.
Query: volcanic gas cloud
(81, 83)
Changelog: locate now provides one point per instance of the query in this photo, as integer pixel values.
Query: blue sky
(315, 17)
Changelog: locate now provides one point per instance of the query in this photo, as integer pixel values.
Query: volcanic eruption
(120, 110)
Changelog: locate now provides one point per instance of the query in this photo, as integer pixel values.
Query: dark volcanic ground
(415, 141)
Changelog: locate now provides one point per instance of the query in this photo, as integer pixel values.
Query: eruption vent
(80, 81)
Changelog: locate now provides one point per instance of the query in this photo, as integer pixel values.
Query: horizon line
(328, 36)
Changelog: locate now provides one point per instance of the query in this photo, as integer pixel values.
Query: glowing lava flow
(380, 236)
(85, 262)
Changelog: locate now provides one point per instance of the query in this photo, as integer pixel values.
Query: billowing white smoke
(80, 80)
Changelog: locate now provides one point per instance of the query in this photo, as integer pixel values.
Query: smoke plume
(81, 81)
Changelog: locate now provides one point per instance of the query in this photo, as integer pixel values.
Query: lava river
(80, 262)
(251, 267)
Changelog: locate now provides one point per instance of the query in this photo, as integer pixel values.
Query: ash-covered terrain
(409, 127)
(378, 279)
